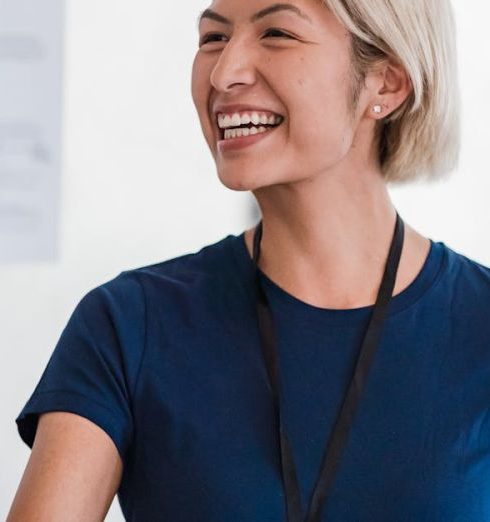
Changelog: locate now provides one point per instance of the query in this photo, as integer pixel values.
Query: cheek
(200, 89)
(322, 124)
(195, 80)
(319, 122)
(312, 113)
(200, 85)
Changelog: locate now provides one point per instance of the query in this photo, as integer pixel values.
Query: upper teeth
(244, 118)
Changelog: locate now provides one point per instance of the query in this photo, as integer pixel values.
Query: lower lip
(243, 141)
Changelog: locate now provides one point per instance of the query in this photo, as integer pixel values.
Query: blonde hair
(420, 139)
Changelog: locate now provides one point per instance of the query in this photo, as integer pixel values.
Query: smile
(235, 140)
(243, 124)
(245, 131)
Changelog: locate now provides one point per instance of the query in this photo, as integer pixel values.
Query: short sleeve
(94, 366)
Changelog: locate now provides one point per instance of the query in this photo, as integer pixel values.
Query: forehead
(230, 12)
(213, 14)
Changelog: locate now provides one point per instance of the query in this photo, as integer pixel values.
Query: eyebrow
(274, 8)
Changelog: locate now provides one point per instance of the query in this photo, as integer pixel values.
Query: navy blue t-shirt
(166, 359)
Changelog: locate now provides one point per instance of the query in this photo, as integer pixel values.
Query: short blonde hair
(420, 139)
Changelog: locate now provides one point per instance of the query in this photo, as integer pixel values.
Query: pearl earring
(377, 109)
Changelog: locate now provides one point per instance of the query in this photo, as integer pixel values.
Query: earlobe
(380, 111)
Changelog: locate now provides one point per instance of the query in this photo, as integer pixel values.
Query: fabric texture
(166, 360)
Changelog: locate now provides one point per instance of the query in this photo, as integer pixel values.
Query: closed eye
(207, 38)
(274, 30)
(210, 37)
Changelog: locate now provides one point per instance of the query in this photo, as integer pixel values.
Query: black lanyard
(335, 445)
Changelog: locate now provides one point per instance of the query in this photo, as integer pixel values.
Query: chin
(240, 181)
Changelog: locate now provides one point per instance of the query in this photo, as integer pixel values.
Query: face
(294, 63)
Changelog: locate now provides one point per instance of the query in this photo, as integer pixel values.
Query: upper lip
(240, 107)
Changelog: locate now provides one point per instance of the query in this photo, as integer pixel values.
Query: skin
(73, 472)
(317, 179)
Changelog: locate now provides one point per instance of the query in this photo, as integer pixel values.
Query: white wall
(139, 184)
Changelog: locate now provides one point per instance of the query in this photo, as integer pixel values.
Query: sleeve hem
(63, 400)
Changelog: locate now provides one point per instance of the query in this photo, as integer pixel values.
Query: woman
(331, 363)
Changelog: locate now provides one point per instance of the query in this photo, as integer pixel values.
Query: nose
(235, 66)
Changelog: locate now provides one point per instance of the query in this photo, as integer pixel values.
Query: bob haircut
(420, 139)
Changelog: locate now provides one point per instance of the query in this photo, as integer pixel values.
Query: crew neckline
(427, 277)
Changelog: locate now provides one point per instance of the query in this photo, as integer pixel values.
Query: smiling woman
(330, 363)
(416, 135)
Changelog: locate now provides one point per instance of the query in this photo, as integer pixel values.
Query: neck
(327, 243)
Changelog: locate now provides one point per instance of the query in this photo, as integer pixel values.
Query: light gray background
(139, 184)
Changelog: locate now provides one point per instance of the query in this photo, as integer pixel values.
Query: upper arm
(73, 472)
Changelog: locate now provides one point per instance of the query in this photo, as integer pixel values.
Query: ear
(389, 86)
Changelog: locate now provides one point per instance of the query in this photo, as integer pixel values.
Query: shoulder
(467, 278)
(208, 258)
(211, 264)
(465, 268)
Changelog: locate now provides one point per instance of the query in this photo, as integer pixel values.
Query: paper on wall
(31, 53)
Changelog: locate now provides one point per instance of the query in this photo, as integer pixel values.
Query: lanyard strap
(333, 451)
